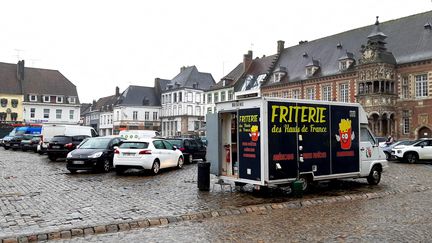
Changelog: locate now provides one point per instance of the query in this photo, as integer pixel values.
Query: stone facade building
(386, 67)
(183, 105)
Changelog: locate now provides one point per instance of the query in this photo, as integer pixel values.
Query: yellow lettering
(321, 115)
(274, 115)
(283, 113)
(303, 114)
(312, 112)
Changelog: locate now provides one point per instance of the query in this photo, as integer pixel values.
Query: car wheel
(7, 148)
(72, 171)
(374, 176)
(155, 167)
(106, 165)
(411, 158)
(180, 162)
(52, 158)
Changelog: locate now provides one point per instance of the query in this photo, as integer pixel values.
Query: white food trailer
(274, 141)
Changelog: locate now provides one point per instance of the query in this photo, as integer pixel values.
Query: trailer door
(345, 139)
(213, 142)
(249, 144)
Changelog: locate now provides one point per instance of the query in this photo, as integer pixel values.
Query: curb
(126, 225)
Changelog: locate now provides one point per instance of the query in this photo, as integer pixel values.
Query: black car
(15, 142)
(191, 148)
(30, 142)
(60, 146)
(94, 154)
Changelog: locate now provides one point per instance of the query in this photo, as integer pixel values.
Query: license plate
(55, 147)
(15, 145)
(78, 162)
(128, 154)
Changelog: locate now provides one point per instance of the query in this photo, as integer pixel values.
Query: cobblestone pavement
(38, 196)
(395, 218)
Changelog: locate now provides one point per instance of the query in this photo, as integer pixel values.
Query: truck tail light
(145, 152)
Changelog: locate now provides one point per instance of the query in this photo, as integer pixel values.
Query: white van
(51, 130)
(137, 134)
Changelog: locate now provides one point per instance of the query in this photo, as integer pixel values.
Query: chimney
(280, 46)
(20, 70)
(182, 69)
(247, 60)
(94, 103)
(117, 92)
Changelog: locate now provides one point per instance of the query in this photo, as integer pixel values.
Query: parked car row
(101, 154)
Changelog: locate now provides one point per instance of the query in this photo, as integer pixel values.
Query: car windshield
(27, 137)
(95, 143)
(405, 142)
(61, 139)
(176, 142)
(134, 145)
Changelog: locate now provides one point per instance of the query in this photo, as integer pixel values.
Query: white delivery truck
(50, 130)
(274, 142)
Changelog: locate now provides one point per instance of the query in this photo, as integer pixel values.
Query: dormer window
(32, 97)
(4, 102)
(345, 61)
(342, 65)
(278, 74)
(46, 98)
(14, 103)
(312, 67)
(59, 99)
(72, 100)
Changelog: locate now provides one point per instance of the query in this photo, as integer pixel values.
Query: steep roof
(189, 77)
(36, 81)
(230, 79)
(45, 81)
(9, 83)
(139, 96)
(85, 108)
(258, 67)
(407, 38)
(106, 103)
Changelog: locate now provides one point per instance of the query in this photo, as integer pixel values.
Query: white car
(419, 150)
(147, 153)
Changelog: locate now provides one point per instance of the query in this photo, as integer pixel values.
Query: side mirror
(115, 147)
(174, 147)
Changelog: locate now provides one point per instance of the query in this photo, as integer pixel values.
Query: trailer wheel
(239, 185)
(374, 175)
(305, 181)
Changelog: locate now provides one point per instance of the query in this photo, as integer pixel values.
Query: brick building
(386, 67)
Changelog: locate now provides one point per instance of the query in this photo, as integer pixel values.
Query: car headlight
(96, 155)
(69, 155)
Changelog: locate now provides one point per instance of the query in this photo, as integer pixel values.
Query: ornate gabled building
(386, 67)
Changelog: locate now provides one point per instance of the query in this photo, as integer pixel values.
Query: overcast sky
(101, 44)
